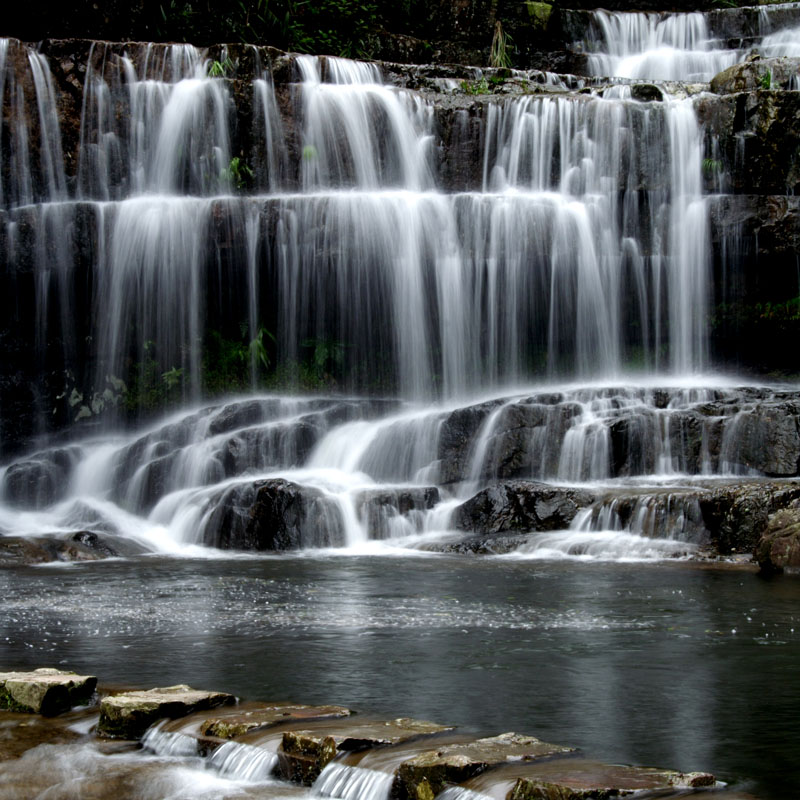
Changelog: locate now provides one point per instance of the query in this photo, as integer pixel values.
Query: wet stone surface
(305, 753)
(425, 775)
(129, 715)
(45, 691)
(239, 722)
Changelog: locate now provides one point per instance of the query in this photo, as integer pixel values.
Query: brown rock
(45, 691)
(129, 715)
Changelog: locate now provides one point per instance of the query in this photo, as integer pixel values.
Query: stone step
(130, 714)
(45, 691)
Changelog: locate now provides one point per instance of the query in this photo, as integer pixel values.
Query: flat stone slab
(427, 774)
(45, 691)
(129, 715)
(231, 725)
(305, 753)
(574, 779)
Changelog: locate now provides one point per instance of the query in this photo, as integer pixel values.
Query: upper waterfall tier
(179, 222)
(684, 47)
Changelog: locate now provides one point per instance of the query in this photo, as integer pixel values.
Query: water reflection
(671, 665)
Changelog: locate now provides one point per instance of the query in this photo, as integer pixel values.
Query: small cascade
(243, 762)
(462, 793)
(663, 515)
(353, 783)
(656, 47)
(172, 744)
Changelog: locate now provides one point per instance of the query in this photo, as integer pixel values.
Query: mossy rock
(45, 691)
(129, 715)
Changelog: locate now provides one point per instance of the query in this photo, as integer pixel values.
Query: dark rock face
(779, 546)
(274, 515)
(41, 480)
(520, 506)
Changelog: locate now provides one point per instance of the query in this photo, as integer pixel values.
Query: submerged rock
(425, 775)
(304, 754)
(779, 546)
(45, 691)
(129, 715)
(237, 724)
(80, 546)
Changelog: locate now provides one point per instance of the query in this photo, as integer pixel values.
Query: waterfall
(557, 260)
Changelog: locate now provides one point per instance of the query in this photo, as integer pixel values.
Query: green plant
(500, 50)
(258, 347)
(173, 378)
(476, 87)
(712, 166)
(220, 69)
(765, 80)
(724, 3)
(237, 174)
(327, 357)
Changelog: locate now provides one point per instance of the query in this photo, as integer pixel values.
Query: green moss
(539, 14)
(8, 703)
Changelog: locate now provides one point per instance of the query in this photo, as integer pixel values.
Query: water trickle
(353, 783)
(243, 762)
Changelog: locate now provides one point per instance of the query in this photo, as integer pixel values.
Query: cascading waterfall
(581, 249)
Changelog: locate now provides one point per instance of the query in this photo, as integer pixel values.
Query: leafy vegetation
(765, 81)
(500, 50)
(237, 175)
(337, 27)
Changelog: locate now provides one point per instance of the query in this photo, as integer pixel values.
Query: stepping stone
(304, 754)
(129, 715)
(427, 774)
(45, 691)
(588, 780)
(234, 724)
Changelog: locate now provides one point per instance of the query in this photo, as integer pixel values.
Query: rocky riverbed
(312, 749)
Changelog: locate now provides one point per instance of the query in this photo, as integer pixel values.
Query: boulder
(756, 73)
(274, 514)
(305, 753)
(520, 506)
(45, 691)
(427, 774)
(129, 715)
(235, 724)
(779, 546)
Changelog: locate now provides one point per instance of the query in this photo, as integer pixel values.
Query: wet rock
(427, 774)
(40, 480)
(779, 546)
(129, 715)
(45, 691)
(455, 440)
(646, 93)
(80, 546)
(584, 780)
(236, 724)
(521, 506)
(274, 515)
(304, 754)
(756, 73)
